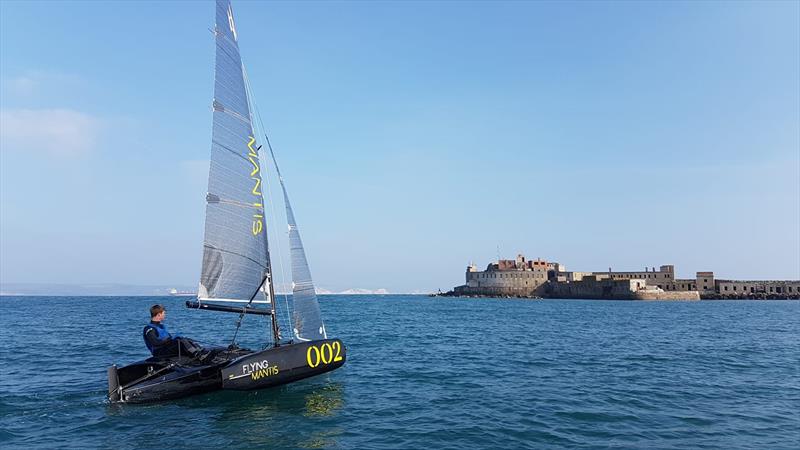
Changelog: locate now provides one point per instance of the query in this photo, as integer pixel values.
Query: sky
(414, 137)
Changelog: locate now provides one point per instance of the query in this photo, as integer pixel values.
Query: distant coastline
(131, 290)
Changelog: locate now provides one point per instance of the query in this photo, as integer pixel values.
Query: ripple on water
(428, 373)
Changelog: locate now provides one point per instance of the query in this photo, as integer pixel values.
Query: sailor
(161, 343)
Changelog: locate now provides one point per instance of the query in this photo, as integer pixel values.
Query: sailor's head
(157, 313)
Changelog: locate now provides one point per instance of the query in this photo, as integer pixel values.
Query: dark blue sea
(425, 373)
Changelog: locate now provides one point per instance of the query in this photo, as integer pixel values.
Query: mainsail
(235, 252)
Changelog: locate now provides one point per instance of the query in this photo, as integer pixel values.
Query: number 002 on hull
(281, 365)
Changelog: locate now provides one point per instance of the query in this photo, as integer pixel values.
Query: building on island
(538, 278)
(508, 277)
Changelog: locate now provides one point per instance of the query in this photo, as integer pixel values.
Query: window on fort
(705, 280)
(778, 289)
(726, 288)
(752, 289)
(790, 289)
(770, 289)
(734, 288)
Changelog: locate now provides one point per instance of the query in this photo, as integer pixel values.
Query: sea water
(424, 373)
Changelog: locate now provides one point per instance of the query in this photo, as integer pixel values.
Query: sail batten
(235, 253)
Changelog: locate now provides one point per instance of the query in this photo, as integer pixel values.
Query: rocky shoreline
(755, 296)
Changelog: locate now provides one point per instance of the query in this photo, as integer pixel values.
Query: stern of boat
(113, 384)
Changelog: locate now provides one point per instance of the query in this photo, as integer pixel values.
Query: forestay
(235, 253)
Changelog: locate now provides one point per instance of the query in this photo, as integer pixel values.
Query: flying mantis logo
(259, 369)
(255, 175)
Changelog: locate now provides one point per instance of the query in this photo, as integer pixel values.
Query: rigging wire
(263, 130)
(250, 101)
(272, 206)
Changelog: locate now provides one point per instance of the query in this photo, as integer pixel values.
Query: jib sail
(307, 322)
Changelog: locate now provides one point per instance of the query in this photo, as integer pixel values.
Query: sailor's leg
(189, 347)
(168, 350)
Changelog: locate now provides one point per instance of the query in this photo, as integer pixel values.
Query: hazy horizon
(415, 138)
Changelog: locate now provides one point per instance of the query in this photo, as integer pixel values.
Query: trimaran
(236, 268)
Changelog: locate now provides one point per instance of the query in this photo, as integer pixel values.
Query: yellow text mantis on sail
(252, 156)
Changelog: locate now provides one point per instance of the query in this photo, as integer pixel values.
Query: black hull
(282, 365)
(155, 380)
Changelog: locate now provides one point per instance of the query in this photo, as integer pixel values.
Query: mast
(268, 278)
(276, 333)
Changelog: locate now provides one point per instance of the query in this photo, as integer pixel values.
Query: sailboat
(236, 275)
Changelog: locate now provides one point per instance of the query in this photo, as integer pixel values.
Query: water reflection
(324, 401)
(321, 439)
(292, 416)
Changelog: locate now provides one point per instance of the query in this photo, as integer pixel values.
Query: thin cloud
(23, 85)
(38, 83)
(58, 131)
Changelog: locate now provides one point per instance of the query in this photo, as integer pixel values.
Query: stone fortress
(528, 278)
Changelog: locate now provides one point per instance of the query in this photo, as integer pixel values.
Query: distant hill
(365, 292)
(100, 289)
(118, 289)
